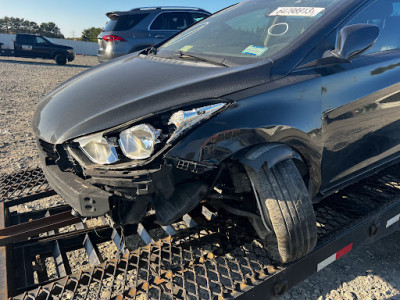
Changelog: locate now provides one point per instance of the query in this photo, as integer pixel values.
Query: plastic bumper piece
(86, 199)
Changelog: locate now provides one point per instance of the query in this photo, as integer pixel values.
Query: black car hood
(130, 87)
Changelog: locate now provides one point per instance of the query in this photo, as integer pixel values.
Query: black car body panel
(342, 118)
(293, 116)
(361, 119)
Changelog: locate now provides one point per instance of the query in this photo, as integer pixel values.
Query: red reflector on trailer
(345, 250)
(334, 257)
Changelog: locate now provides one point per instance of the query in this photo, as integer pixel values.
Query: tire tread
(283, 193)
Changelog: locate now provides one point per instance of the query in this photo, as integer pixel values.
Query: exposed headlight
(186, 119)
(138, 142)
(98, 149)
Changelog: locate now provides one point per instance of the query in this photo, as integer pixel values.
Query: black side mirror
(353, 40)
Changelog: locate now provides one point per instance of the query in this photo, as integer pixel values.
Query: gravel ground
(23, 82)
(369, 273)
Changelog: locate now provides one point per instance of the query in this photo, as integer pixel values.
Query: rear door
(361, 102)
(167, 24)
(23, 46)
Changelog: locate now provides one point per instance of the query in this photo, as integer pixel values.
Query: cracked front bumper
(95, 192)
(86, 199)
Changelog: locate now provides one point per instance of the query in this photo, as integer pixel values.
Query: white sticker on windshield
(186, 48)
(254, 50)
(297, 11)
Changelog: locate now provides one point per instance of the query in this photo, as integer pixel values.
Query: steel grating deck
(208, 255)
(24, 186)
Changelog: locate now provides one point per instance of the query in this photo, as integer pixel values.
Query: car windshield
(248, 31)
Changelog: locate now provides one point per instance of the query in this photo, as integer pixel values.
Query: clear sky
(72, 16)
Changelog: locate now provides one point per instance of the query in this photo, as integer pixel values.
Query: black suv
(139, 28)
(38, 46)
(262, 109)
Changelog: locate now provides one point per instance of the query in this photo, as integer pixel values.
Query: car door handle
(160, 36)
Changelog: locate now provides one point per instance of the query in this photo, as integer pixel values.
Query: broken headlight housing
(98, 149)
(184, 120)
(138, 142)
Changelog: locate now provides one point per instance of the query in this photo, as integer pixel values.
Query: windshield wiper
(152, 50)
(207, 60)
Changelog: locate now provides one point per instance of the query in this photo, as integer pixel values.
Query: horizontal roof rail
(118, 13)
(168, 7)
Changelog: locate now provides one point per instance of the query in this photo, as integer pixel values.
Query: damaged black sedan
(262, 109)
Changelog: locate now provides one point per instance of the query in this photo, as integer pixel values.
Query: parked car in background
(140, 28)
(262, 109)
(38, 46)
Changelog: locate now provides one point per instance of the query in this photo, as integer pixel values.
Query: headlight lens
(98, 149)
(138, 142)
(186, 119)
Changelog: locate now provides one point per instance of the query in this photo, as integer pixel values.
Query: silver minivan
(140, 28)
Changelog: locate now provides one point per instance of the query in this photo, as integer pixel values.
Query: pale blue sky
(72, 16)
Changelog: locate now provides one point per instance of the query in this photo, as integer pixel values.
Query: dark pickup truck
(38, 46)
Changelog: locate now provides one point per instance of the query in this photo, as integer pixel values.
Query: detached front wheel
(286, 209)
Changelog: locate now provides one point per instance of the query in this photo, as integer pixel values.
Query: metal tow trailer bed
(207, 255)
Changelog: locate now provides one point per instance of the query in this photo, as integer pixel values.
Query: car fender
(269, 154)
(287, 112)
(254, 147)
